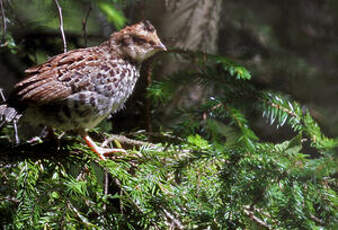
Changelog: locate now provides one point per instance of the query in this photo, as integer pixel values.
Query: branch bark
(254, 218)
(124, 140)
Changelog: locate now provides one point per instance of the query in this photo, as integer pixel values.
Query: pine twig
(2, 96)
(84, 26)
(176, 223)
(317, 220)
(3, 17)
(16, 134)
(61, 26)
(8, 198)
(118, 183)
(82, 174)
(79, 215)
(254, 218)
(124, 140)
(106, 183)
(159, 137)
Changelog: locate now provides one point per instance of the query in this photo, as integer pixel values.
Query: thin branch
(83, 173)
(159, 137)
(8, 198)
(4, 25)
(317, 220)
(254, 218)
(79, 215)
(106, 183)
(16, 135)
(61, 26)
(125, 140)
(118, 183)
(84, 26)
(2, 96)
(175, 221)
(291, 113)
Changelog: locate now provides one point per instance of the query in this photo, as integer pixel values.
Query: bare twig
(176, 223)
(84, 26)
(106, 182)
(81, 217)
(61, 26)
(8, 198)
(118, 183)
(3, 17)
(166, 136)
(16, 135)
(82, 174)
(317, 220)
(2, 96)
(291, 113)
(124, 140)
(254, 218)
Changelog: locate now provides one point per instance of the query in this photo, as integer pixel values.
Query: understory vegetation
(210, 170)
(207, 167)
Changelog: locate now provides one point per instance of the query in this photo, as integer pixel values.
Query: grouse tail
(9, 115)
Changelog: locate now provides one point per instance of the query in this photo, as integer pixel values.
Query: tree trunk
(191, 25)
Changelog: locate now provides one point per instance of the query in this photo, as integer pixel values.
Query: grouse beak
(160, 46)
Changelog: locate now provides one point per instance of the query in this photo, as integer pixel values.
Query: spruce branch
(284, 109)
(280, 108)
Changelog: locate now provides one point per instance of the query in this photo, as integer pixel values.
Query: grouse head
(137, 42)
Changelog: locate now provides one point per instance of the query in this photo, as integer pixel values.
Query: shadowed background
(289, 46)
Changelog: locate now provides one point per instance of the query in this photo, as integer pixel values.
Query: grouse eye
(139, 40)
(126, 41)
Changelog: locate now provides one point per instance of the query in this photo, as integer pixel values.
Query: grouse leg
(101, 152)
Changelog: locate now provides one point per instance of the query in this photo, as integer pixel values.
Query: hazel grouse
(76, 90)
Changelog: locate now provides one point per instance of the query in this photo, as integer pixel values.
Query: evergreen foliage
(216, 174)
(209, 169)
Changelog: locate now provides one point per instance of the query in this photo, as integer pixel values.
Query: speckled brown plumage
(78, 89)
